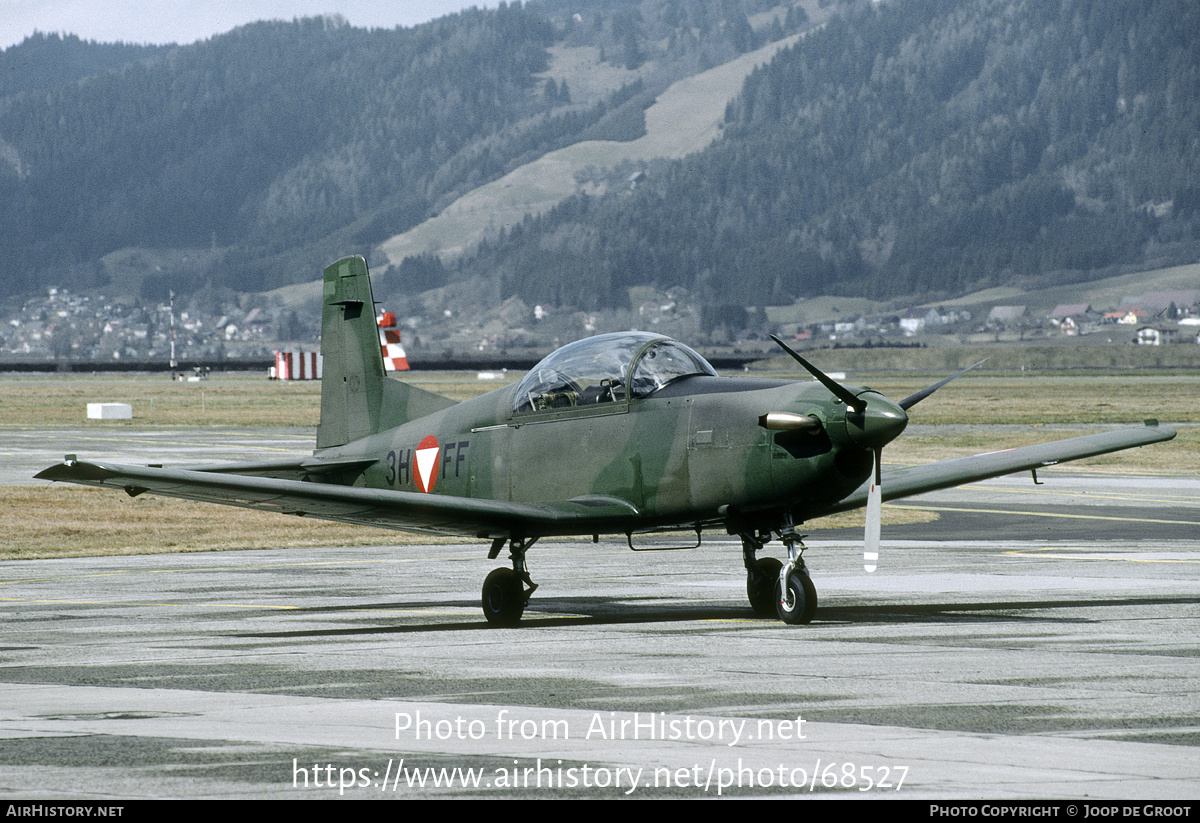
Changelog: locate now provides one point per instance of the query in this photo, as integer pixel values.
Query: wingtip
(1161, 432)
(58, 471)
(72, 470)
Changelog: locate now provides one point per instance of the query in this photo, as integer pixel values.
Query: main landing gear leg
(795, 595)
(504, 592)
(761, 574)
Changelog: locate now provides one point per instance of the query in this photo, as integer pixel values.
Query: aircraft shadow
(589, 611)
(593, 611)
(990, 612)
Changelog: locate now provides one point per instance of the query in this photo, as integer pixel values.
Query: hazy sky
(171, 21)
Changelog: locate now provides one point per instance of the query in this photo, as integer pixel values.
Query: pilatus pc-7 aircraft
(617, 434)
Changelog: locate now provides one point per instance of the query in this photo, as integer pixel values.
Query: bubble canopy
(607, 368)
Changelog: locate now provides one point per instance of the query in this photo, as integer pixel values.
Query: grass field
(233, 399)
(60, 521)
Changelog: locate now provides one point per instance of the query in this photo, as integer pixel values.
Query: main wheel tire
(761, 582)
(801, 605)
(503, 598)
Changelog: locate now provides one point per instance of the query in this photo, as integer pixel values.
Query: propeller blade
(839, 391)
(874, 514)
(913, 399)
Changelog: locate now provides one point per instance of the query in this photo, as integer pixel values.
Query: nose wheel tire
(503, 598)
(761, 583)
(798, 605)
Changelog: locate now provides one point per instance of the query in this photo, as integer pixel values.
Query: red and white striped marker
(394, 358)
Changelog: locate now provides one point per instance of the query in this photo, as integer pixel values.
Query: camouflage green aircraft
(623, 433)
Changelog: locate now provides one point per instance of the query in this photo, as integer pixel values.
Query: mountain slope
(921, 146)
(278, 144)
(268, 137)
(910, 146)
(684, 119)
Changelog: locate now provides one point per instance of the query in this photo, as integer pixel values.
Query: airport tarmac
(1034, 642)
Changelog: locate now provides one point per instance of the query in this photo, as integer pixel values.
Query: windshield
(663, 363)
(596, 370)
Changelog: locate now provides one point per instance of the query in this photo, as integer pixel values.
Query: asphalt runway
(1034, 642)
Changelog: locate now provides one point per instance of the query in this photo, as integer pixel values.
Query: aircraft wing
(267, 487)
(303, 488)
(913, 480)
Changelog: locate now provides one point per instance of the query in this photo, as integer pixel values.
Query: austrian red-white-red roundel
(427, 454)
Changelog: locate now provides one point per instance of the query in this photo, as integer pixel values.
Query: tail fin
(357, 399)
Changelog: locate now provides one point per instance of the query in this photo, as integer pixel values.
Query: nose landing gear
(774, 588)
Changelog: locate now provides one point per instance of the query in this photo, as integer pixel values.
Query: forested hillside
(47, 61)
(908, 146)
(266, 137)
(921, 146)
(281, 144)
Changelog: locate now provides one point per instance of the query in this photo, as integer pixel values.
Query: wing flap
(913, 480)
(385, 508)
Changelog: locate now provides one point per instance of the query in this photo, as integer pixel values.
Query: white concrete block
(109, 411)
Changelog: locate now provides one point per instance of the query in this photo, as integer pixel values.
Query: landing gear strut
(504, 592)
(795, 595)
(774, 588)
